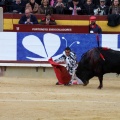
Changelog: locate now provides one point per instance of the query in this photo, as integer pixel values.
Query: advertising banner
(31, 46)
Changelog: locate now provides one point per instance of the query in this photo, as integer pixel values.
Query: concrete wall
(1, 19)
(28, 72)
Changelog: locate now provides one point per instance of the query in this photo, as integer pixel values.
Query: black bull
(97, 62)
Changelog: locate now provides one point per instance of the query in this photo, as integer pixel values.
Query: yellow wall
(8, 24)
(105, 27)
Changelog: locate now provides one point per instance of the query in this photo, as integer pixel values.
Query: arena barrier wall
(79, 20)
(26, 54)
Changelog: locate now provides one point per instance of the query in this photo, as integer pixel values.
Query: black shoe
(57, 83)
(68, 84)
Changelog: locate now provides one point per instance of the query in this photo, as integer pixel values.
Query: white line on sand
(57, 93)
(85, 101)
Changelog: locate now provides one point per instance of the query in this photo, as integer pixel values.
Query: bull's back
(112, 61)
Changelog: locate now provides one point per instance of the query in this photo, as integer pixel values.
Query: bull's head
(89, 65)
(84, 73)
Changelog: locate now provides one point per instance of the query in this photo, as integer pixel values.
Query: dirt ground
(41, 99)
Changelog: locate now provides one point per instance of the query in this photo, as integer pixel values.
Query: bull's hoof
(100, 87)
(85, 84)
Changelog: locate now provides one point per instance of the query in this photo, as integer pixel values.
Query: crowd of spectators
(70, 7)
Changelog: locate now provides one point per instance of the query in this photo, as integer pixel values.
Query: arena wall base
(28, 72)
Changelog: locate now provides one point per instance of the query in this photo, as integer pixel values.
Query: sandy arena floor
(41, 99)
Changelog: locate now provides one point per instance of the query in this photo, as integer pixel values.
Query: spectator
(93, 27)
(115, 7)
(69, 58)
(82, 2)
(32, 6)
(8, 5)
(45, 7)
(47, 20)
(26, 1)
(2, 4)
(109, 2)
(102, 9)
(28, 18)
(88, 8)
(96, 2)
(114, 14)
(75, 7)
(52, 2)
(17, 6)
(59, 7)
(38, 2)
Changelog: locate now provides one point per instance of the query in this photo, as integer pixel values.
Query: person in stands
(88, 8)
(3, 5)
(115, 7)
(18, 6)
(102, 9)
(70, 59)
(59, 7)
(75, 7)
(33, 6)
(93, 27)
(48, 20)
(28, 18)
(45, 7)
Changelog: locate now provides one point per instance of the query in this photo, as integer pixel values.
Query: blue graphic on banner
(118, 41)
(42, 46)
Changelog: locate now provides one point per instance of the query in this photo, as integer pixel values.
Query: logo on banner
(38, 48)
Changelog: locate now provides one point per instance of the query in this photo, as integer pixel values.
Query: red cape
(61, 72)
